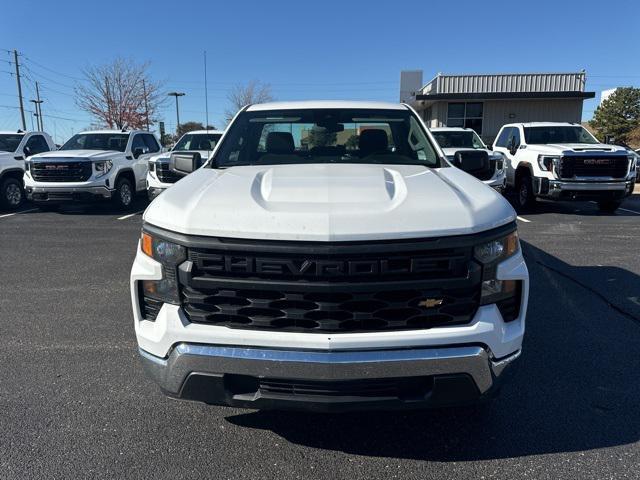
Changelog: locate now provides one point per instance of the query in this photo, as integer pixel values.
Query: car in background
(15, 148)
(161, 175)
(456, 139)
(92, 165)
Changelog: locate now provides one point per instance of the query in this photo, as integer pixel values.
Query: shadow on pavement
(576, 387)
(139, 203)
(581, 208)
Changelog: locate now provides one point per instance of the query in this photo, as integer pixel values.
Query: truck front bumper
(565, 190)
(331, 381)
(68, 194)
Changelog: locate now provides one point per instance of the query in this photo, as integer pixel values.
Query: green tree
(618, 115)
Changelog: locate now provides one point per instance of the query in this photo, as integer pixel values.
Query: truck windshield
(559, 134)
(198, 141)
(9, 141)
(326, 136)
(97, 141)
(458, 139)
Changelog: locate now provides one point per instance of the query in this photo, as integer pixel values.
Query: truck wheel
(123, 196)
(11, 193)
(524, 192)
(609, 206)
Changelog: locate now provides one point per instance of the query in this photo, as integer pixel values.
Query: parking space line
(21, 211)
(124, 217)
(524, 220)
(624, 209)
(627, 210)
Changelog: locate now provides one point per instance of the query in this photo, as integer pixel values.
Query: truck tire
(11, 193)
(524, 191)
(123, 194)
(609, 206)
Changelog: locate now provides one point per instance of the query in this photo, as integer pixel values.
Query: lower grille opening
(510, 307)
(395, 388)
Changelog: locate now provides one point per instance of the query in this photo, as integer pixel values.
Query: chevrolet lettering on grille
(315, 267)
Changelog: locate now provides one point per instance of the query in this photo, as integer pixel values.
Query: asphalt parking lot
(74, 401)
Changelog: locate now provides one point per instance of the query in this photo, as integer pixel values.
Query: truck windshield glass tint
(198, 142)
(326, 136)
(545, 135)
(9, 143)
(458, 139)
(97, 141)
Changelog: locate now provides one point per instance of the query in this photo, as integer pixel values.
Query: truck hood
(557, 148)
(450, 152)
(329, 202)
(90, 154)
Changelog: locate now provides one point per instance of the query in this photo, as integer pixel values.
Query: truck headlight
(504, 293)
(102, 167)
(152, 166)
(170, 255)
(546, 162)
(499, 159)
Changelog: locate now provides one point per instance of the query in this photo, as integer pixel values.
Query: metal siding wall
(533, 82)
(496, 113)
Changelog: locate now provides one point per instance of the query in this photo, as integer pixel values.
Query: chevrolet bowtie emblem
(430, 302)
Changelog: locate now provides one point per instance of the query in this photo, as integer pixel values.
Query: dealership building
(486, 102)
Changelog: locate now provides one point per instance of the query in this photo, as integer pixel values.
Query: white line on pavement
(524, 220)
(620, 208)
(627, 210)
(16, 213)
(124, 217)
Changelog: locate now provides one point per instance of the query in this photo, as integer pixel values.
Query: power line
(52, 70)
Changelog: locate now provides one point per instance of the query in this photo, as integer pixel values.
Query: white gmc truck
(161, 175)
(15, 148)
(298, 269)
(93, 165)
(563, 161)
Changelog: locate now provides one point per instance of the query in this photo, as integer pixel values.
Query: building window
(465, 114)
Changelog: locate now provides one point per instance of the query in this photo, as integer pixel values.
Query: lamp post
(177, 94)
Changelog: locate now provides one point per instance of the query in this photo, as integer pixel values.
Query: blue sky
(306, 50)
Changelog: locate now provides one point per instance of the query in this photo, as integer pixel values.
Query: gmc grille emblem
(598, 161)
(56, 167)
(316, 267)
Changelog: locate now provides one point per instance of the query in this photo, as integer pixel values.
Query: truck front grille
(593, 166)
(61, 171)
(323, 288)
(165, 175)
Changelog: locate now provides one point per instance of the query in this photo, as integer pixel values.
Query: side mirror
(184, 163)
(137, 152)
(474, 162)
(513, 148)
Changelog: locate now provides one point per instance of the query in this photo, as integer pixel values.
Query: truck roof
(341, 104)
(211, 130)
(114, 131)
(544, 124)
(451, 129)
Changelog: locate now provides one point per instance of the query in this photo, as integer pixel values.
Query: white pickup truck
(458, 139)
(563, 161)
(93, 165)
(15, 148)
(301, 269)
(161, 176)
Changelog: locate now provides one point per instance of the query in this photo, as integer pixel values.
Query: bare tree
(242, 95)
(120, 94)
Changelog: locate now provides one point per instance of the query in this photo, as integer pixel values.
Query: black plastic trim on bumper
(239, 376)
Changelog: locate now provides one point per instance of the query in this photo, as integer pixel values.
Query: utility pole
(206, 94)
(177, 94)
(39, 108)
(146, 105)
(24, 122)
